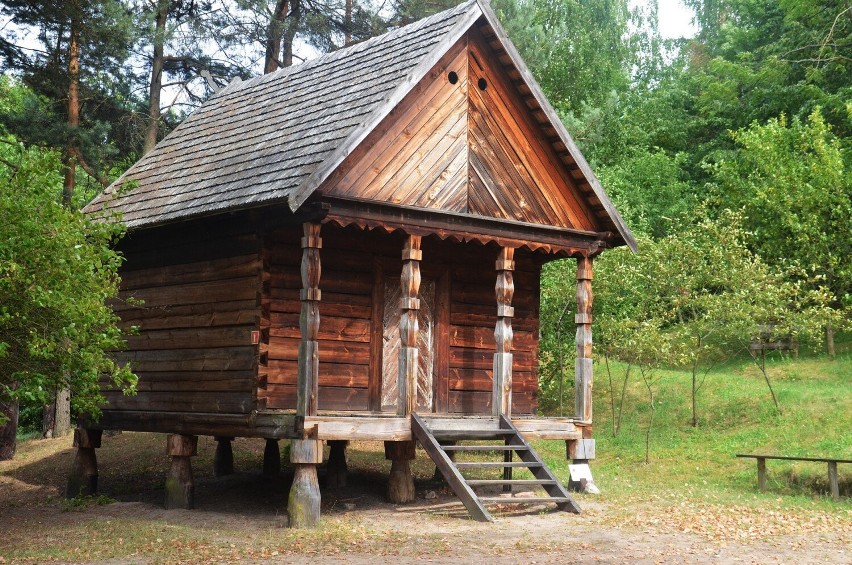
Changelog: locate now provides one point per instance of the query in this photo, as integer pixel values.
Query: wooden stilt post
(408, 325)
(303, 504)
(271, 458)
(223, 459)
(401, 481)
(180, 486)
(583, 364)
(336, 469)
(83, 478)
(504, 289)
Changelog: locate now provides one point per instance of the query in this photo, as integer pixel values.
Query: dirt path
(240, 518)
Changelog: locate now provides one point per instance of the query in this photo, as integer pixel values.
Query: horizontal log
(199, 271)
(284, 258)
(287, 349)
(482, 273)
(486, 316)
(344, 282)
(209, 381)
(182, 402)
(244, 288)
(469, 358)
(176, 252)
(330, 374)
(284, 298)
(330, 328)
(229, 313)
(359, 428)
(212, 424)
(483, 294)
(278, 397)
(476, 402)
(481, 380)
(483, 337)
(228, 336)
(216, 359)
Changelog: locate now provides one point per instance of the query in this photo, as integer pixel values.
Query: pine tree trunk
(9, 430)
(48, 419)
(62, 415)
(347, 24)
(292, 27)
(156, 87)
(274, 35)
(73, 112)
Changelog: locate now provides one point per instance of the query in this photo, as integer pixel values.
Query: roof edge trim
(390, 102)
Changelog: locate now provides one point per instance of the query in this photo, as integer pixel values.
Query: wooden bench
(832, 469)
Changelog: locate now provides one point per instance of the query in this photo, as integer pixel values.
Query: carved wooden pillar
(303, 504)
(504, 289)
(180, 486)
(583, 364)
(83, 478)
(307, 391)
(408, 326)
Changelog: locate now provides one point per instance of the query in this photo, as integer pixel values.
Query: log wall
(200, 288)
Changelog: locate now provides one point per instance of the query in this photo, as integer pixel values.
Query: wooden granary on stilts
(317, 252)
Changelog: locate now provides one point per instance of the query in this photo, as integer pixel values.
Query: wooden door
(425, 345)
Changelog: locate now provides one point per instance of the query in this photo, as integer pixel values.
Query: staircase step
(483, 433)
(525, 500)
(440, 454)
(495, 464)
(530, 482)
(484, 448)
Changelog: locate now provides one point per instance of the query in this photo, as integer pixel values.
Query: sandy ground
(242, 518)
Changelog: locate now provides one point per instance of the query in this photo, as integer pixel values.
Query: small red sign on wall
(255, 337)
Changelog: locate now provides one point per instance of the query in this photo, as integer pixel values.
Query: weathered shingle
(259, 140)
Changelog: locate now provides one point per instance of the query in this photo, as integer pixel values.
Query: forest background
(727, 153)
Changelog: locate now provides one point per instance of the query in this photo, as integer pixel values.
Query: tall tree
(78, 67)
(57, 268)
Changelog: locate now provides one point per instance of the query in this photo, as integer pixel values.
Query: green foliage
(57, 270)
(793, 185)
(589, 50)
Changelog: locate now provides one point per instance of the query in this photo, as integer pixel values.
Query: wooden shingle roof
(277, 137)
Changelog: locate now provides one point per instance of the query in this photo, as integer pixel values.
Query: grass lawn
(693, 498)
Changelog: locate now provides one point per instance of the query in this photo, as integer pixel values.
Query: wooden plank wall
(200, 283)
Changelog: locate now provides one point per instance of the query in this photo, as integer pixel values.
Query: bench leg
(832, 480)
(761, 473)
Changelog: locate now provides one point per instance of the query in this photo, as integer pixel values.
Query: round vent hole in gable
(452, 77)
(483, 84)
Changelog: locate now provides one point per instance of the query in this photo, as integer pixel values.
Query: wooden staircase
(430, 432)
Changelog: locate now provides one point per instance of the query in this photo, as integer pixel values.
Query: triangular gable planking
(463, 140)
